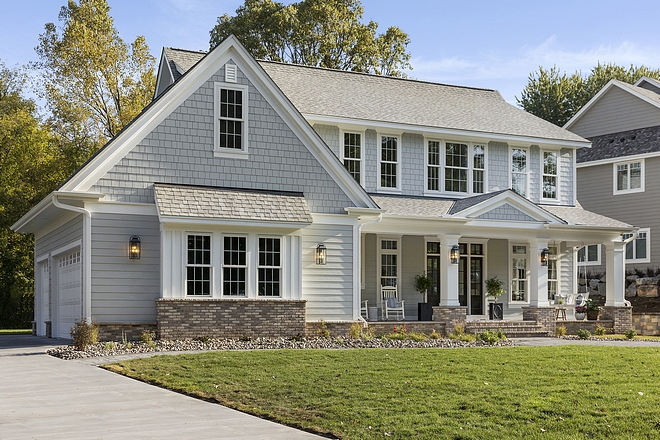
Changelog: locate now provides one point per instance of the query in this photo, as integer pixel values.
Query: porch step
(512, 329)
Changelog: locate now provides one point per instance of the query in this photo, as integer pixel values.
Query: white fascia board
(192, 221)
(333, 219)
(48, 201)
(596, 229)
(122, 208)
(456, 134)
(444, 220)
(651, 81)
(613, 160)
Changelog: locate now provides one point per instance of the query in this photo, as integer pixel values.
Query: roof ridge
(202, 52)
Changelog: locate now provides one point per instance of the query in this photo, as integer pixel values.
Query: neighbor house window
(629, 177)
(553, 272)
(269, 266)
(389, 262)
(589, 255)
(234, 266)
(433, 167)
(198, 267)
(353, 154)
(549, 187)
(389, 162)
(519, 284)
(638, 250)
(231, 116)
(519, 170)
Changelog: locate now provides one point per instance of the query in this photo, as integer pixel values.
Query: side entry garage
(69, 293)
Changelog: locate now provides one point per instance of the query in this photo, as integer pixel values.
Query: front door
(470, 277)
(433, 272)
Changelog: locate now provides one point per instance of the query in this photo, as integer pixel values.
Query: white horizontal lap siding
(413, 262)
(124, 290)
(328, 289)
(566, 157)
(566, 270)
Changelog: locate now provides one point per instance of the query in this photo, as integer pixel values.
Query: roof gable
(506, 205)
(650, 84)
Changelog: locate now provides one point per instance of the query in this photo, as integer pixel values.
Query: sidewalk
(46, 397)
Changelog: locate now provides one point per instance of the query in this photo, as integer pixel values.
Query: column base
(544, 316)
(451, 316)
(620, 316)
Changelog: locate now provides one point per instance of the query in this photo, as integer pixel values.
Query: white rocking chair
(363, 308)
(390, 302)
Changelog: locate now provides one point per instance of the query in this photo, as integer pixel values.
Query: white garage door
(69, 294)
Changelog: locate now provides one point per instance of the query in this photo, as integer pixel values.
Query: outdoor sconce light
(321, 254)
(544, 256)
(454, 254)
(134, 248)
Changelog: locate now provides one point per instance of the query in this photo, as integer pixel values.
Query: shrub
(434, 335)
(368, 334)
(417, 336)
(560, 331)
(630, 334)
(109, 346)
(599, 331)
(583, 334)
(490, 336)
(148, 337)
(355, 331)
(460, 335)
(323, 331)
(84, 334)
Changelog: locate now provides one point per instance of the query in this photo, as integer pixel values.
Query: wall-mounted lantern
(321, 254)
(134, 248)
(454, 254)
(544, 256)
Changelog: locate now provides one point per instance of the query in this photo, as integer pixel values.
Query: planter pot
(424, 311)
(579, 316)
(496, 311)
(592, 315)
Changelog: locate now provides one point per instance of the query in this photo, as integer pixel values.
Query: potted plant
(495, 288)
(422, 284)
(592, 310)
(580, 312)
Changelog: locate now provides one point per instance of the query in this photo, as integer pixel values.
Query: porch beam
(615, 268)
(538, 275)
(448, 272)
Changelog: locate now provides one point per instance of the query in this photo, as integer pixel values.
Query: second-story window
(519, 171)
(629, 177)
(456, 171)
(455, 167)
(389, 162)
(433, 168)
(479, 168)
(353, 154)
(230, 120)
(549, 175)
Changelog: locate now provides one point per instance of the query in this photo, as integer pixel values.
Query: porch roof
(576, 215)
(230, 203)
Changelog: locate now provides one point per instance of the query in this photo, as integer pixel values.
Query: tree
(29, 169)
(94, 82)
(320, 33)
(558, 97)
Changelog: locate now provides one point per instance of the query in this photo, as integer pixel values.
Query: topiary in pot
(423, 283)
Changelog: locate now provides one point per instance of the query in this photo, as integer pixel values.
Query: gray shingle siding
(506, 212)
(566, 177)
(371, 160)
(180, 151)
(498, 166)
(330, 135)
(411, 164)
(534, 170)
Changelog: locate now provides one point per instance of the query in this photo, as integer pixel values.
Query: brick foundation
(337, 328)
(573, 326)
(647, 323)
(544, 316)
(119, 331)
(230, 318)
(450, 316)
(621, 316)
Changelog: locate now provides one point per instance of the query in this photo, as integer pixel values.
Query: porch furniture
(560, 313)
(390, 302)
(364, 308)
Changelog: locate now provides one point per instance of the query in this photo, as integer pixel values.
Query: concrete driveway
(45, 397)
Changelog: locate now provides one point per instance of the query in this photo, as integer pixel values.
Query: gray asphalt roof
(360, 96)
(185, 59)
(576, 215)
(234, 204)
(413, 206)
(468, 202)
(646, 93)
(622, 144)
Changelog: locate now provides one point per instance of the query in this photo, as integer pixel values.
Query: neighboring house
(262, 197)
(619, 176)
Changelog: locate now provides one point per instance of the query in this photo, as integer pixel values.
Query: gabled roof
(181, 60)
(318, 92)
(649, 84)
(622, 144)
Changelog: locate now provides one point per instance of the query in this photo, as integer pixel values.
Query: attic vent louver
(230, 73)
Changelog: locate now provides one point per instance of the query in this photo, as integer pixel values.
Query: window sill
(229, 154)
(628, 191)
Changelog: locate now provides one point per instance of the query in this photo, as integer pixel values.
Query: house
(619, 176)
(257, 198)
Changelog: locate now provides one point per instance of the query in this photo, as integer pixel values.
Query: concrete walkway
(45, 397)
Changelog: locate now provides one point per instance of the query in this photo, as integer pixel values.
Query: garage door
(69, 294)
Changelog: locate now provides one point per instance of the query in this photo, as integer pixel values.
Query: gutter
(86, 253)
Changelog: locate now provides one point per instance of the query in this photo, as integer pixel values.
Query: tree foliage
(320, 33)
(557, 97)
(94, 82)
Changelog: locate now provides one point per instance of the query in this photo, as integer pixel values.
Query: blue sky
(489, 44)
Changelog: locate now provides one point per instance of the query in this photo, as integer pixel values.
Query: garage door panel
(69, 293)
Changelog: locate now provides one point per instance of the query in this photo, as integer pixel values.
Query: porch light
(544, 257)
(321, 254)
(454, 254)
(134, 248)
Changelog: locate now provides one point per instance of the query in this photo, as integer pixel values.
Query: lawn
(15, 332)
(482, 393)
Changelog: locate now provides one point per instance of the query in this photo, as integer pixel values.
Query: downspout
(86, 253)
(359, 256)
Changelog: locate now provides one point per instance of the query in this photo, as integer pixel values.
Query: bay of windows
(455, 167)
(198, 265)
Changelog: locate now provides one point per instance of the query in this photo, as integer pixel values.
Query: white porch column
(538, 275)
(448, 272)
(615, 268)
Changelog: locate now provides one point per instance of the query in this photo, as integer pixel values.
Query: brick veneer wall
(544, 316)
(118, 332)
(379, 328)
(622, 317)
(451, 316)
(229, 318)
(572, 326)
(647, 324)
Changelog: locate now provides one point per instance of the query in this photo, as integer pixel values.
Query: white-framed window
(628, 177)
(388, 171)
(353, 154)
(549, 184)
(231, 112)
(389, 261)
(519, 275)
(639, 249)
(455, 167)
(519, 171)
(198, 265)
(234, 266)
(589, 255)
(553, 272)
(269, 266)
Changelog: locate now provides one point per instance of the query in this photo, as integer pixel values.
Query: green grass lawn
(15, 332)
(490, 393)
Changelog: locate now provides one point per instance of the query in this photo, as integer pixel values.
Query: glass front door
(433, 272)
(470, 278)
